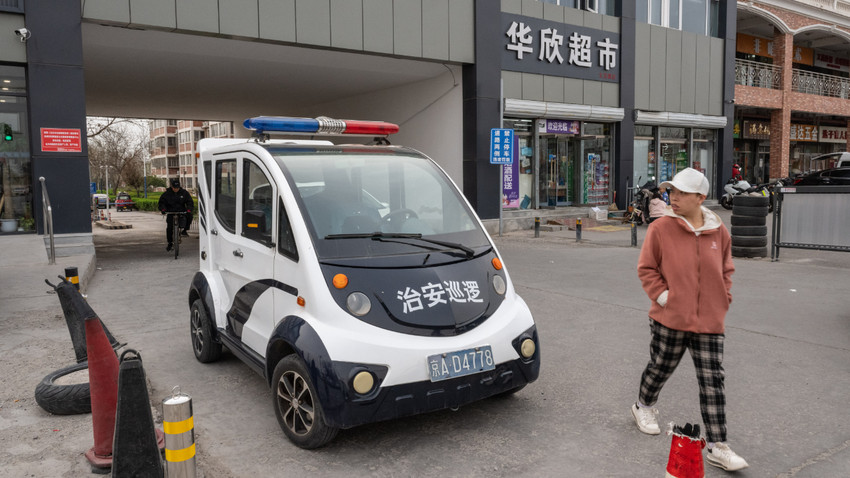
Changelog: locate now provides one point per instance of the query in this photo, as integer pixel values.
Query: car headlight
(358, 303)
(499, 284)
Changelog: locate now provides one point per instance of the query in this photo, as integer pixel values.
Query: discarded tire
(749, 210)
(65, 391)
(748, 220)
(740, 251)
(749, 241)
(749, 229)
(751, 201)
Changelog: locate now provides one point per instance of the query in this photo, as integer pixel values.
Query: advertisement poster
(510, 180)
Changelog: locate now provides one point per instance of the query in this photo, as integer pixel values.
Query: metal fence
(811, 217)
(820, 84)
(754, 73)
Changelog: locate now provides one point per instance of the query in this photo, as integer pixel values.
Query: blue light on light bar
(320, 125)
(282, 124)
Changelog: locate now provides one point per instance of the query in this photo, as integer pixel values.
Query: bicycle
(177, 221)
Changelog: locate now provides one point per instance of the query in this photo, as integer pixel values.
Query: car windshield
(362, 204)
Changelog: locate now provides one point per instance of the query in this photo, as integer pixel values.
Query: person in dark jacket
(176, 199)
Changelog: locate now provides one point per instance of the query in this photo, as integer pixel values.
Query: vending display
(596, 172)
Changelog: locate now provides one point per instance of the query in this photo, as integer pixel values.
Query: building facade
(602, 94)
(792, 86)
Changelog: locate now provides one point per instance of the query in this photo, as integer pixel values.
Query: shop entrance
(559, 170)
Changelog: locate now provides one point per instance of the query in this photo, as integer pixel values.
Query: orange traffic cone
(685, 452)
(103, 382)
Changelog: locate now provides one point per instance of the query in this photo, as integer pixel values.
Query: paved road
(787, 362)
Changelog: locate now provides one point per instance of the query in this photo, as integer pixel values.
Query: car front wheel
(205, 347)
(297, 406)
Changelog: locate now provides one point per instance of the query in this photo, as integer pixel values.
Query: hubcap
(295, 402)
(197, 332)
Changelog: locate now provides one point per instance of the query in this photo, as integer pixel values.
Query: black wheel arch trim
(200, 289)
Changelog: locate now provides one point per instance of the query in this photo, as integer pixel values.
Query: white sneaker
(722, 456)
(646, 419)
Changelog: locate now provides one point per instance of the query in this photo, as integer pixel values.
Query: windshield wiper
(380, 236)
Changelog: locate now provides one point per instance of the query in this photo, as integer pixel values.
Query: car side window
(257, 197)
(285, 237)
(225, 193)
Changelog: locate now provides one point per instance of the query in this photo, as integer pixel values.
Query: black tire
(751, 201)
(297, 407)
(742, 251)
(748, 220)
(749, 230)
(749, 210)
(749, 241)
(65, 398)
(204, 346)
(725, 202)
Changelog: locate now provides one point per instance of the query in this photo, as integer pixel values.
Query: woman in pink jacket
(686, 269)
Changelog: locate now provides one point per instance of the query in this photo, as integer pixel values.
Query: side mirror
(254, 226)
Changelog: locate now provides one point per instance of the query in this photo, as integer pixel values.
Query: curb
(113, 225)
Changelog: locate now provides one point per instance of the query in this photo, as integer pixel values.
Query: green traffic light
(7, 132)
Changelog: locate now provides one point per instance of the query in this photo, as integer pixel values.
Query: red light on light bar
(369, 127)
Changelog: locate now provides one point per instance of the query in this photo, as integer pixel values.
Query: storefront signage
(756, 130)
(532, 45)
(559, 127)
(56, 140)
(804, 132)
(831, 134)
(826, 60)
(501, 143)
(764, 47)
(510, 181)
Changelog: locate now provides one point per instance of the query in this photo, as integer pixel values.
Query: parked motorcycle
(741, 187)
(638, 212)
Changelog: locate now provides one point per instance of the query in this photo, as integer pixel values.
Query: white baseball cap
(688, 180)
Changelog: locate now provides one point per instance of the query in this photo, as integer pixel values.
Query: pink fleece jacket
(696, 269)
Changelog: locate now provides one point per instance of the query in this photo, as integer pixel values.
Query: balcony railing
(764, 75)
(754, 73)
(820, 84)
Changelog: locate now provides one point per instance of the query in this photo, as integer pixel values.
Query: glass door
(555, 171)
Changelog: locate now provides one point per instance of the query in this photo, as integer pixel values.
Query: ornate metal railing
(820, 84)
(754, 73)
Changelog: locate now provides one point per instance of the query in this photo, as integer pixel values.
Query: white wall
(429, 114)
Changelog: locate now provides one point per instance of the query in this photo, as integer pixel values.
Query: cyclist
(176, 199)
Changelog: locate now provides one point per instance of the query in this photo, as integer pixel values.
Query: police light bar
(320, 125)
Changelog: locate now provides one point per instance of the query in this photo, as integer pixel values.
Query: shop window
(16, 191)
(674, 152)
(697, 16)
(704, 149)
(644, 155)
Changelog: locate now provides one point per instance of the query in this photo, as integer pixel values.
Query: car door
(245, 252)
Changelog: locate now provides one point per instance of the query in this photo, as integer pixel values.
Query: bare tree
(118, 146)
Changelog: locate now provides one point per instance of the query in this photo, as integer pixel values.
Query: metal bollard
(179, 428)
(536, 227)
(72, 276)
(634, 235)
(578, 230)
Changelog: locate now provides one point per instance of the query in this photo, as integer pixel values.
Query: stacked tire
(749, 226)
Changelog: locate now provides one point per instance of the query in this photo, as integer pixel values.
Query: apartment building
(173, 144)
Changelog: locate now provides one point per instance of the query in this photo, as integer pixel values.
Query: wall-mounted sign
(58, 140)
(804, 132)
(558, 126)
(756, 130)
(833, 134)
(532, 45)
(764, 47)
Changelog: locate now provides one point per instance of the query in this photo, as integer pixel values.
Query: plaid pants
(666, 350)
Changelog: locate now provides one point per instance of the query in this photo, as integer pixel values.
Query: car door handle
(238, 253)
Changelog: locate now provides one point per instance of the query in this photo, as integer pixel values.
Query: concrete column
(780, 120)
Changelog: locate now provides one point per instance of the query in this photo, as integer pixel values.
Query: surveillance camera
(23, 34)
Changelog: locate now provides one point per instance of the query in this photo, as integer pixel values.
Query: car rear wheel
(205, 347)
(297, 406)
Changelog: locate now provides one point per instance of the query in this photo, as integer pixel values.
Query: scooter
(639, 207)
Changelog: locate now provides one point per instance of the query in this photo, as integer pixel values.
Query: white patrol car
(356, 279)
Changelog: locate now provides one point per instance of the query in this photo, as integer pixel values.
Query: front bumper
(349, 409)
